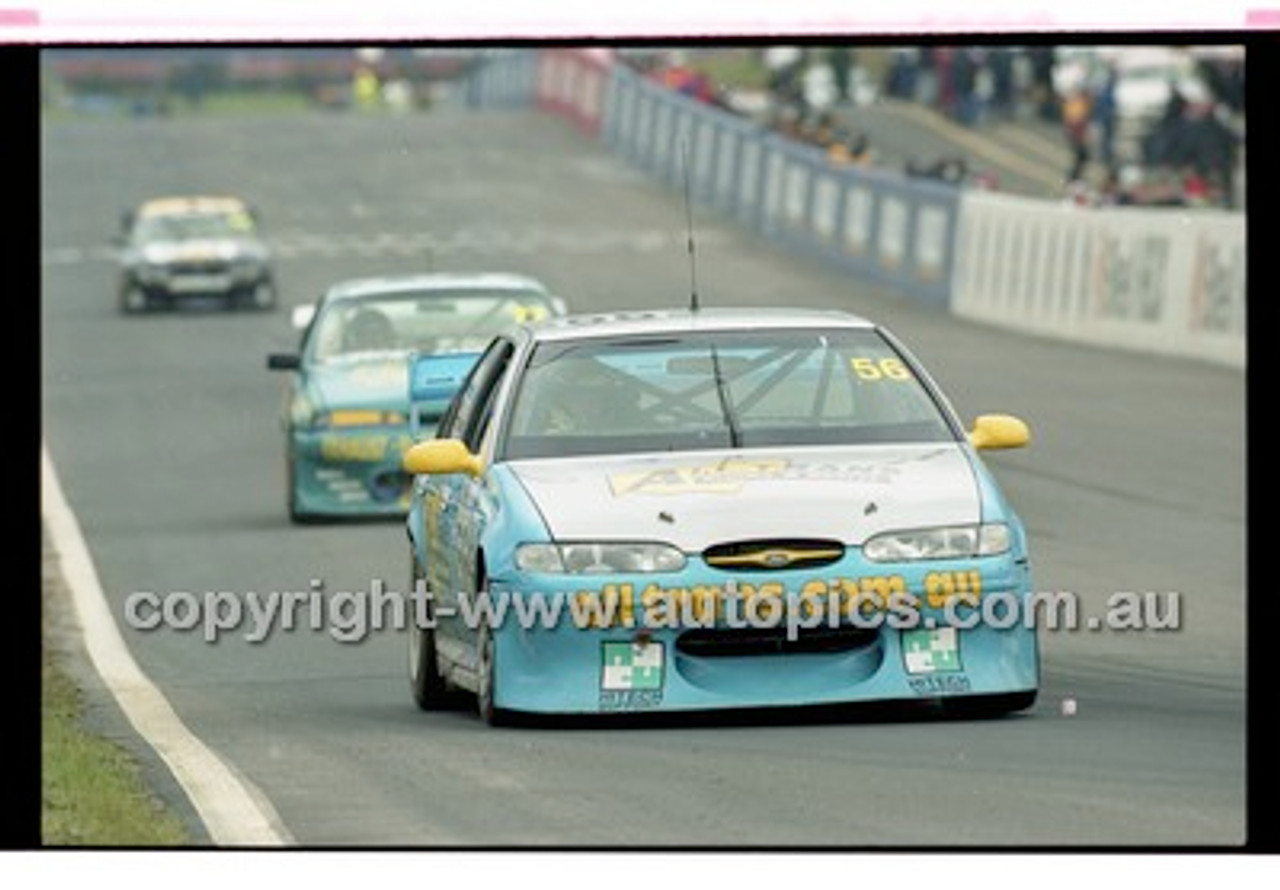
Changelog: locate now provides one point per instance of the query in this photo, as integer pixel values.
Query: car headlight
(944, 542)
(156, 257)
(247, 266)
(598, 558)
(301, 411)
(150, 266)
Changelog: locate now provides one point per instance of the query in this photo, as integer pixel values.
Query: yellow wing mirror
(999, 431)
(440, 456)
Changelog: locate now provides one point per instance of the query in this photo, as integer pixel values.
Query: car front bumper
(350, 472)
(644, 665)
(194, 283)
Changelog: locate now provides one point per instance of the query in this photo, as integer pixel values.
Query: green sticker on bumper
(931, 651)
(628, 666)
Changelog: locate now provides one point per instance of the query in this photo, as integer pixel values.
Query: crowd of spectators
(972, 84)
(1188, 155)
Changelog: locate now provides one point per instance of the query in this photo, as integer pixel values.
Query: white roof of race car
(429, 281)
(181, 204)
(623, 324)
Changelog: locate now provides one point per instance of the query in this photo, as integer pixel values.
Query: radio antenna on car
(688, 213)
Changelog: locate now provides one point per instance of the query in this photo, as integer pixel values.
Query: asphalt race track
(164, 430)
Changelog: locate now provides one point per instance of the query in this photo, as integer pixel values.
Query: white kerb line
(233, 814)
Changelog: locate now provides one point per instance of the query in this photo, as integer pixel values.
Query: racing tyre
(296, 516)
(261, 297)
(486, 671)
(133, 298)
(430, 690)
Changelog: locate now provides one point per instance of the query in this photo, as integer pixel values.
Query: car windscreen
(434, 321)
(719, 390)
(194, 226)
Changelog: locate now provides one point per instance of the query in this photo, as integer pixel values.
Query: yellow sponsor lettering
(723, 477)
(868, 594)
(816, 588)
(815, 596)
(882, 585)
(355, 417)
(703, 605)
(351, 448)
(811, 604)
(619, 601)
(657, 606)
(763, 603)
(587, 611)
(941, 588)
(875, 591)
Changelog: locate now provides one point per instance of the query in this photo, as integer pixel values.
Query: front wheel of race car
(486, 677)
(487, 669)
(296, 515)
(133, 298)
(428, 685)
(260, 297)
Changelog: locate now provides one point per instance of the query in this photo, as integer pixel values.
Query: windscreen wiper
(722, 390)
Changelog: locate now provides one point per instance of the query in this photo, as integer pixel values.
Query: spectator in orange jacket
(1075, 126)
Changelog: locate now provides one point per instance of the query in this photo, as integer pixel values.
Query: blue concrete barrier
(897, 230)
(503, 79)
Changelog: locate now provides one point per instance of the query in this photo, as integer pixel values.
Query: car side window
(448, 420)
(305, 336)
(457, 419)
(483, 413)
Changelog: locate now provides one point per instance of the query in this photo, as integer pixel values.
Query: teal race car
(698, 510)
(346, 412)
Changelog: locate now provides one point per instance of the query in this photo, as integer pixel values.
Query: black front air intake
(731, 642)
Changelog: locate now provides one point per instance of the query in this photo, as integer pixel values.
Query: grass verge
(93, 793)
(227, 103)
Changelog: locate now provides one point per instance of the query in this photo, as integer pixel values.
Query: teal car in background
(346, 407)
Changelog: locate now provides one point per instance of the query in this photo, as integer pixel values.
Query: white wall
(1159, 280)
